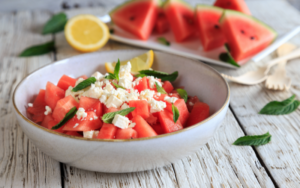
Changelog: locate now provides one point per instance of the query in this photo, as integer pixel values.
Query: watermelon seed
(217, 27)
(242, 31)
(132, 18)
(252, 38)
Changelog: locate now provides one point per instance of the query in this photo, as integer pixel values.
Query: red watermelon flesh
(91, 104)
(167, 123)
(53, 94)
(63, 106)
(207, 19)
(181, 19)
(66, 81)
(245, 34)
(238, 5)
(161, 25)
(128, 133)
(38, 108)
(199, 113)
(108, 131)
(89, 123)
(137, 17)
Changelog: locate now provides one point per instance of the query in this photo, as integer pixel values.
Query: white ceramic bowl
(125, 155)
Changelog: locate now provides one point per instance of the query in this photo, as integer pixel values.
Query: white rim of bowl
(120, 140)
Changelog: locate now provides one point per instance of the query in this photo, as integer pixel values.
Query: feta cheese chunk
(131, 124)
(124, 106)
(97, 75)
(124, 82)
(170, 99)
(147, 95)
(76, 95)
(48, 110)
(76, 124)
(30, 104)
(81, 113)
(152, 81)
(93, 92)
(121, 121)
(90, 134)
(108, 87)
(133, 95)
(113, 101)
(157, 106)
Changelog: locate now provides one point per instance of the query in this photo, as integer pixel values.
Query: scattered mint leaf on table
(67, 117)
(160, 89)
(109, 117)
(255, 140)
(183, 94)
(281, 107)
(84, 84)
(39, 49)
(55, 24)
(175, 113)
(163, 41)
(226, 57)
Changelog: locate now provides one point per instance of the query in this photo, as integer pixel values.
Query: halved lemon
(86, 33)
(141, 62)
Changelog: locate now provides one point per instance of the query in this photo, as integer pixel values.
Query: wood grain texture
(21, 163)
(281, 156)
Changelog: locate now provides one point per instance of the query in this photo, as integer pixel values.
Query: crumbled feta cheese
(97, 75)
(93, 92)
(95, 117)
(48, 110)
(133, 95)
(30, 104)
(136, 81)
(121, 121)
(90, 134)
(120, 94)
(170, 99)
(152, 81)
(113, 101)
(76, 95)
(81, 113)
(124, 82)
(78, 81)
(158, 94)
(131, 124)
(91, 119)
(157, 106)
(99, 84)
(125, 69)
(147, 95)
(108, 87)
(76, 124)
(124, 106)
(191, 103)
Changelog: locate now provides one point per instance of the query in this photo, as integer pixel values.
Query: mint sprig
(56, 23)
(117, 85)
(162, 75)
(255, 140)
(109, 117)
(84, 84)
(175, 113)
(160, 89)
(183, 94)
(38, 49)
(115, 75)
(281, 107)
(67, 117)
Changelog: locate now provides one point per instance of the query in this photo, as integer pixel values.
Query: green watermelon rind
(130, 2)
(209, 7)
(170, 2)
(248, 17)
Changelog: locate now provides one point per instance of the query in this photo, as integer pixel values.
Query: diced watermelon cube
(142, 85)
(53, 94)
(38, 108)
(66, 81)
(141, 108)
(46, 120)
(182, 108)
(63, 106)
(128, 133)
(107, 131)
(199, 113)
(168, 87)
(142, 127)
(158, 129)
(52, 123)
(166, 121)
(91, 104)
(73, 133)
(191, 102)
(88, 123)
(151, 119)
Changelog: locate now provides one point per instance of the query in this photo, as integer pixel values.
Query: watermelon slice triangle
(207, 19)
(181, 18)
(238, 5)
(245, 34)
(136, 16)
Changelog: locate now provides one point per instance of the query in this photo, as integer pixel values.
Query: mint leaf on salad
(281, 107)
(67, 117)
(175, 113)
(84, 84)
(160, 89)
(183, 94)
(162, 75)
(109, 117)
(255, 140)
(117, 69)
(117, 85)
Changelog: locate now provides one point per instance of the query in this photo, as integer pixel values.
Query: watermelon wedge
(238, 5)
(136, 16)
(181, 19)
(245, 34)
(207, 19)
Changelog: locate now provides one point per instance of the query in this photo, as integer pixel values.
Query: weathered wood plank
(21, 163)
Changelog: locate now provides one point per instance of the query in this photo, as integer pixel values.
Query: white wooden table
(217, 164)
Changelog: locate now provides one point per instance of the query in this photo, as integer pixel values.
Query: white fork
(278, 80)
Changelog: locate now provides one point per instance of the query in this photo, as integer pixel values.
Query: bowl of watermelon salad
(131, 126)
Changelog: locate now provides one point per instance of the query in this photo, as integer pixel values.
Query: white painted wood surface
(218, 164)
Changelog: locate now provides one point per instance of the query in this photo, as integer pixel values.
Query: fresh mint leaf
(110, 76)
(67, 117)
(109, 117)
(281, 107)
(117, 69)
(163, 41)
(140, 75)
(175, 113)
(117, 85)
(160, 89)
(84, 84)
(183, 94)
(162, 75)
(226, 57)
(255, 140)
(55, 24)
(39, 49)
